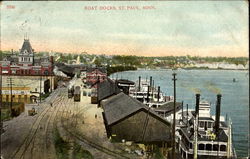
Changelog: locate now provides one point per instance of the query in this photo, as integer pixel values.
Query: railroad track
(19, 153)
(92, 144)
(52, 119)
(50, 125)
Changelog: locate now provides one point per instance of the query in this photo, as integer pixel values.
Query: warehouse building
(127, 119)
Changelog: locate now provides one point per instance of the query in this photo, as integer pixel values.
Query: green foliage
(139, 61)
(157, 153)
(61, 146)
(126, 60)
(111, 70)
(5, 114)
(80, 153)
(44, 96)
(97, 62)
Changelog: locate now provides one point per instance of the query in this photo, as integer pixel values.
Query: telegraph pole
(1, 104)
(40, 88)
(196, 127)
(10, 83)
(173, 131)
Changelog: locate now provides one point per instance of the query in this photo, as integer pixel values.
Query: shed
(125, 118)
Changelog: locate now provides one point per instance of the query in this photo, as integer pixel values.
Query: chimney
(150, 82)
(148, 94)
(197, 104)
(182, 115)
(139, 83)
(158, 95)
(217, 117)
(187, 115)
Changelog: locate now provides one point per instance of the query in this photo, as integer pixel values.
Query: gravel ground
(31, 137)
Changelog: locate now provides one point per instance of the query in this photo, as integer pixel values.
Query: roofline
(141, 109)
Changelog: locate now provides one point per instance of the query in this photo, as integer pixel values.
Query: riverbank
(163, 69)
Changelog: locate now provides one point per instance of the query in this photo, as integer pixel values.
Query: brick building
(25, 63)
(95, 74)
(31, 75)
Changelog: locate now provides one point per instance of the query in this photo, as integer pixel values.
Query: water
(235, 95)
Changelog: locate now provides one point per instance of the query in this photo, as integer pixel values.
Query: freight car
(77, 94)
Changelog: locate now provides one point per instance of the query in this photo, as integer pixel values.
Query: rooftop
(121, 105)
(106, 89)
(26, 46)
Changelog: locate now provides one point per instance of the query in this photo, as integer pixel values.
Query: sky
(196, 28)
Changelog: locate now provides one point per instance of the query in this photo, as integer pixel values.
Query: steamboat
(201, 135)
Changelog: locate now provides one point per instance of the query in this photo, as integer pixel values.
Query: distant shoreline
(194, 69)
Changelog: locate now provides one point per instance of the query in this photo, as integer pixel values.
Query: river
(235, 95)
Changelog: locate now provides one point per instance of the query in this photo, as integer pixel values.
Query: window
(209, 147)
(215, 147)
(223, 147)
(201, 147)
(202, 124)
(209, 125)
(190, 145)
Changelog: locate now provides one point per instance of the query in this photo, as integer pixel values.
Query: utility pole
(173, 131)
(10, 83)
(1, 104)
(196, 126)
(40, 88)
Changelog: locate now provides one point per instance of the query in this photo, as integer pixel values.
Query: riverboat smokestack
(158, 95)
(182, 115)
(148, 94)
(150, 82)
(197, 104)
(139, 83)
(187, 114)
(217, 117)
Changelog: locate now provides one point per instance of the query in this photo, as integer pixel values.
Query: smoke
(192, 89)
(212, 87)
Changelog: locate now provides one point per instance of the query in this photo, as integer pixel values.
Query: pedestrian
(51, 104)
(95, 115)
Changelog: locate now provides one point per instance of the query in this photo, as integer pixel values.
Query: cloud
(173, 28)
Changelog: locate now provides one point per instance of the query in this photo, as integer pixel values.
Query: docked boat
(146, 93)
(201, 135)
